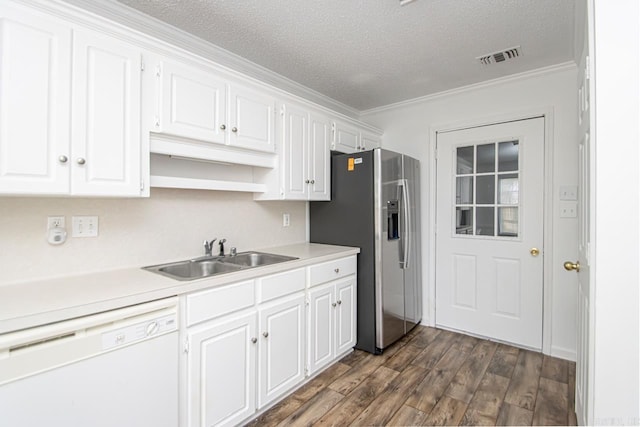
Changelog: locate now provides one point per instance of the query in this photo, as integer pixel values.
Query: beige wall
(168, 226)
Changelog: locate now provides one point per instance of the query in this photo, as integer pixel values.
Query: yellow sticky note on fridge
(350, 163)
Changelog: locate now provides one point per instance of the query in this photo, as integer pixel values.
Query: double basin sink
(213, 265)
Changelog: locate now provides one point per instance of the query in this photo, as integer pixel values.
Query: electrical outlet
(55, 222)
(84, 226)
(568, 209)
(286, 220)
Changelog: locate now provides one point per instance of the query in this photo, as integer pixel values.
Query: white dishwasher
(116, 368)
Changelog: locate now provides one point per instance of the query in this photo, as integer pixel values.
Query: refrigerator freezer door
(389, 251)
(412, 271)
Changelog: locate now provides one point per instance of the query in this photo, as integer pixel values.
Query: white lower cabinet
(281, 347)
(248, 344)
(222, 371)
(332, 324)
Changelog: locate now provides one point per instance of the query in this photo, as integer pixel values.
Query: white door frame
(547, 249)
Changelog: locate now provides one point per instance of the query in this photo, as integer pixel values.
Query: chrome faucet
(208, 245)
(221, 243)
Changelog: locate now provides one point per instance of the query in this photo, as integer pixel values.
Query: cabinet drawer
(216, 302)
(277, 285)
(332, 270)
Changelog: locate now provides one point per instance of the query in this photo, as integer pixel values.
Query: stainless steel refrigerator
(375, 199)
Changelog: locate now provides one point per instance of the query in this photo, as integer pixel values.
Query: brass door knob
(534, 251)
(570, 266)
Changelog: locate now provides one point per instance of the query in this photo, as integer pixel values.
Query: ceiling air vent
(500, 56)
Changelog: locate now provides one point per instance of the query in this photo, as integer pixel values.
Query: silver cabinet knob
(337, 270)
(339, 302)
(265, 334)
(81, 161)
(313, 181)
(306, 181)
(333, 305)
(254, 340)
(223, 127)
(63, 159)
(234, 129)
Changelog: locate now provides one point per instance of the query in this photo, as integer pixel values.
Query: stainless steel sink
(193, 269)
(255, 259)
(210, 266)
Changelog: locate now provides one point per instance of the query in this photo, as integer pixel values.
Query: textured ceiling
(369, 53)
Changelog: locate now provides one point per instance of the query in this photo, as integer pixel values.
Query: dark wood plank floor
(434, 377)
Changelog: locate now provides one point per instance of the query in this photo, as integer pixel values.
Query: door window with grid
(487, 189)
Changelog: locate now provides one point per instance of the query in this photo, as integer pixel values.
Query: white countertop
(30, 304)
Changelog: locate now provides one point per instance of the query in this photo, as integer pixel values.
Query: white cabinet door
(345, 322)
(222, 372)
(106, 138)
(322, 307)
(319, 158)
(281, 344)
(347, 138)
(369, 141)
(295, 153)
(35, 76)
(252, 119)
(193, 103)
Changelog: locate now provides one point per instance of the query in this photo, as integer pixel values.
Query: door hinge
(156, 120)
(141, 66)
(158, 71)
(186, 346)
(141, 184)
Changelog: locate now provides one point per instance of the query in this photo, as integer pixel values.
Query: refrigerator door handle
(406, 217)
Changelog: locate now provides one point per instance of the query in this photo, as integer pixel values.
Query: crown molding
(145, 24)
(557, 68)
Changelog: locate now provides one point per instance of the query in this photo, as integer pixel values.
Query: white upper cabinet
(347, 138)
(193, 103)
(319, 157)
(198, 104)
(252, 119)
(305, 154)
(369, 141)
(40, 103)
(35, 76)
(105, 116)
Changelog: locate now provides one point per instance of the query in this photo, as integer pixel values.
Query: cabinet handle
(306, 181)
(63, 159)
(333, 305)
(265, 334)
(234, 129)
(313, 181)
(254, 340)
(339, 302)
(81, 161)
(337, 270)
(223, 127)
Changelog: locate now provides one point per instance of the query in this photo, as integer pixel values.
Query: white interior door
(489, 257)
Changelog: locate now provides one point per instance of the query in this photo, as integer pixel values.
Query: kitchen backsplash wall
(170, 225)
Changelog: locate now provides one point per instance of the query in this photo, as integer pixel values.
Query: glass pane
(484, 222)
(464, 190)
(486, 158)
(464, 216)
(465, 160)
(508, 222)
(508, 191)
(485, 192)
(508, 156)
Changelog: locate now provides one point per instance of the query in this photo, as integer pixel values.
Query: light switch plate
(568, 192)
(84, 226)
